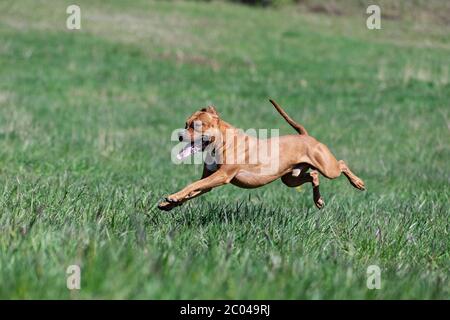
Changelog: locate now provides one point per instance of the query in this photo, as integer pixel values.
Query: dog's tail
(298, 127)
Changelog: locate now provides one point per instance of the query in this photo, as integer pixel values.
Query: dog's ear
(211, 109)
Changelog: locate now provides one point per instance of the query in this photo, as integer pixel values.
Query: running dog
(296, 159)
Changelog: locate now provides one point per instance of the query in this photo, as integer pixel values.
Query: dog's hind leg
(304, 177)
(325, 162)
(352, 178)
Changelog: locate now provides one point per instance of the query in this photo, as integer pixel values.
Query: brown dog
(289, 157)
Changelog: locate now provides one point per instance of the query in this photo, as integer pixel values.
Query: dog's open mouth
(193, 147)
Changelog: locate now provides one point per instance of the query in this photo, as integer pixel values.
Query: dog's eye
(186, 125)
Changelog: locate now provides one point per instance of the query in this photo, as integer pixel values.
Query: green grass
(85, 124)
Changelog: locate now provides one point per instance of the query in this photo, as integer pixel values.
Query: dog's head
(201, 130)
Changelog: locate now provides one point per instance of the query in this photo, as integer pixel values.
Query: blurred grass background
(85, 124)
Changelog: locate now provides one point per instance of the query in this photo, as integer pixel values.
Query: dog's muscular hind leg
(312, 177)
(352, 178)
(325, 162)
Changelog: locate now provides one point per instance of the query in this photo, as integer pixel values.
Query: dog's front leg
(167, 206)
(216, 179)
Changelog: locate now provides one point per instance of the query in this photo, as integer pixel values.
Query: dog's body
(293, 155)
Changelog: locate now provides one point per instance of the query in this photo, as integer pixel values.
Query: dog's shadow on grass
(238, 212)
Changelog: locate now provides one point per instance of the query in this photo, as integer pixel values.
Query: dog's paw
(359, 184)
(319, 203)
(166, 206)
(172, 199)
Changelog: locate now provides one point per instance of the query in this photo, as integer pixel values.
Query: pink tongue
(187, 151)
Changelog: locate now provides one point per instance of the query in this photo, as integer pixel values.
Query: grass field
(85, 124)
